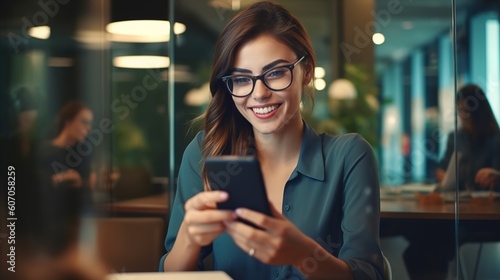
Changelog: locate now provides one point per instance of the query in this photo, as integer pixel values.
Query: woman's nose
(260, 90)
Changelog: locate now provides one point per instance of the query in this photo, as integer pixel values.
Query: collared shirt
(332, 196)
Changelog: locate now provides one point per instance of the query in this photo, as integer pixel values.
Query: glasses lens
(279, 78)
(239, 85)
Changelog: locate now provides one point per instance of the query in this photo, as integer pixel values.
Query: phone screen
(241, 178)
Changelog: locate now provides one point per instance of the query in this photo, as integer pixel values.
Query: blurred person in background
(477, 152)
(66, 175)
(478, 143)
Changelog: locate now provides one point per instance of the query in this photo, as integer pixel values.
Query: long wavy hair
(478, 110)
(226, 130)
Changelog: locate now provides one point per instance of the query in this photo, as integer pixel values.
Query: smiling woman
(317, 184)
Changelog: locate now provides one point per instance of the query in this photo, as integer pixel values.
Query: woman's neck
(282, 146)
(63, 140)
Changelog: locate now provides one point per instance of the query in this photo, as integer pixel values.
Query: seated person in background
(432, 247)
(65, 174)
(63, 158)
(478, 143)
(323, 190)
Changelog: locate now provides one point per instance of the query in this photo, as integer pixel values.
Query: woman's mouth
(264, 110)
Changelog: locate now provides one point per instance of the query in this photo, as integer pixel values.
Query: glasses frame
(254, 79)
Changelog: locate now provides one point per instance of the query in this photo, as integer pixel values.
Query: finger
(208, 216)
(247, 237)
(205, 239)
(203, 229)
(479, 176)
(204, 199)
(261, 220)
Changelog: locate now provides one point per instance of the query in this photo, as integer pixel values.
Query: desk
(194, 275)
(412, 209)
(389, 209)
(153, 205)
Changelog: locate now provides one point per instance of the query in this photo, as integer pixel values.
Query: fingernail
(223, 195)
(239, 211)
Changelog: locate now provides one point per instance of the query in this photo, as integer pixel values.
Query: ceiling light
(319, 72)
(319, 84)
(342, 89)
(143, 31)
(141, 61)
(40, 32)
(378, 38)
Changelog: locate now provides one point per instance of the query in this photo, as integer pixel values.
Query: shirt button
(276, 273)
(287, 207)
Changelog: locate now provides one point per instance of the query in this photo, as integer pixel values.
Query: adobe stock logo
(49, 9)
(220, 180)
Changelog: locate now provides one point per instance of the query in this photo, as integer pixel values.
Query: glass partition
(98, 100)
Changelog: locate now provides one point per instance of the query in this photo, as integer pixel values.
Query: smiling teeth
(264, 110)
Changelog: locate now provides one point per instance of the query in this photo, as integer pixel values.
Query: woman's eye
(241, 80)
(277, 73)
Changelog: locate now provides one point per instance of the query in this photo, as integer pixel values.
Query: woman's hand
(203, 221)
(487, 176)
(69, 176)
(280, 242)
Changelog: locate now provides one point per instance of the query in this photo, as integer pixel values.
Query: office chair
(128, 244)
(387, 269)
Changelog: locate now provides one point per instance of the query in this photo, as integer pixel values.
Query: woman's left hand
(278, 243)
(487, 176)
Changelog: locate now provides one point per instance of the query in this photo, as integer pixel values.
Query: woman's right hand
(203, 221)
(70, 176)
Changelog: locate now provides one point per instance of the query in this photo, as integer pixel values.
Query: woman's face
(269, 111)
(464, 114)
(79, 127)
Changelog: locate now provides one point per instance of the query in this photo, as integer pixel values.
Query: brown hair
(226, 130)
(68, 113)
(478, 109)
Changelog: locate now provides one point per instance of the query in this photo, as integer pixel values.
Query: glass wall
(98, 100)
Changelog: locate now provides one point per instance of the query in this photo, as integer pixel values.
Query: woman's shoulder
(344, 141)
(194, 148)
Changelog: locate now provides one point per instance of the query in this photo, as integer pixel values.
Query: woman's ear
(308, 73)
(308, 76)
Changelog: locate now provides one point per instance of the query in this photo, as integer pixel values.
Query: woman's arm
(194, 220)
(361, 210)
(282, 243)
(202, 223)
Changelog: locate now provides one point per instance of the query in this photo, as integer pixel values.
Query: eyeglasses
(277, 79)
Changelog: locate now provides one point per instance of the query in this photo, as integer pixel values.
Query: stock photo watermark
(362, 37)
(11, 218)
(48, 9)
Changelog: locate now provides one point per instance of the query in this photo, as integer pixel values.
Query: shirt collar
(311, 160)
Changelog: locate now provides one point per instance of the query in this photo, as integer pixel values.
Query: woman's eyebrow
(264, 68)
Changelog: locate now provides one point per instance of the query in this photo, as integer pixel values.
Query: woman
(323, 190)
(66, 176)
(65, 157)
(478, 140)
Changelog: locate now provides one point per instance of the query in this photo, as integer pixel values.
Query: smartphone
(241, 178)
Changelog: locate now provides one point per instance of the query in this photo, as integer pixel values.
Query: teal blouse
(332, 196)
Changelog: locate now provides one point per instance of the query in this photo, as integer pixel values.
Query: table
(402, 208)
(412, 209)
(152, 205)
(192, 275)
